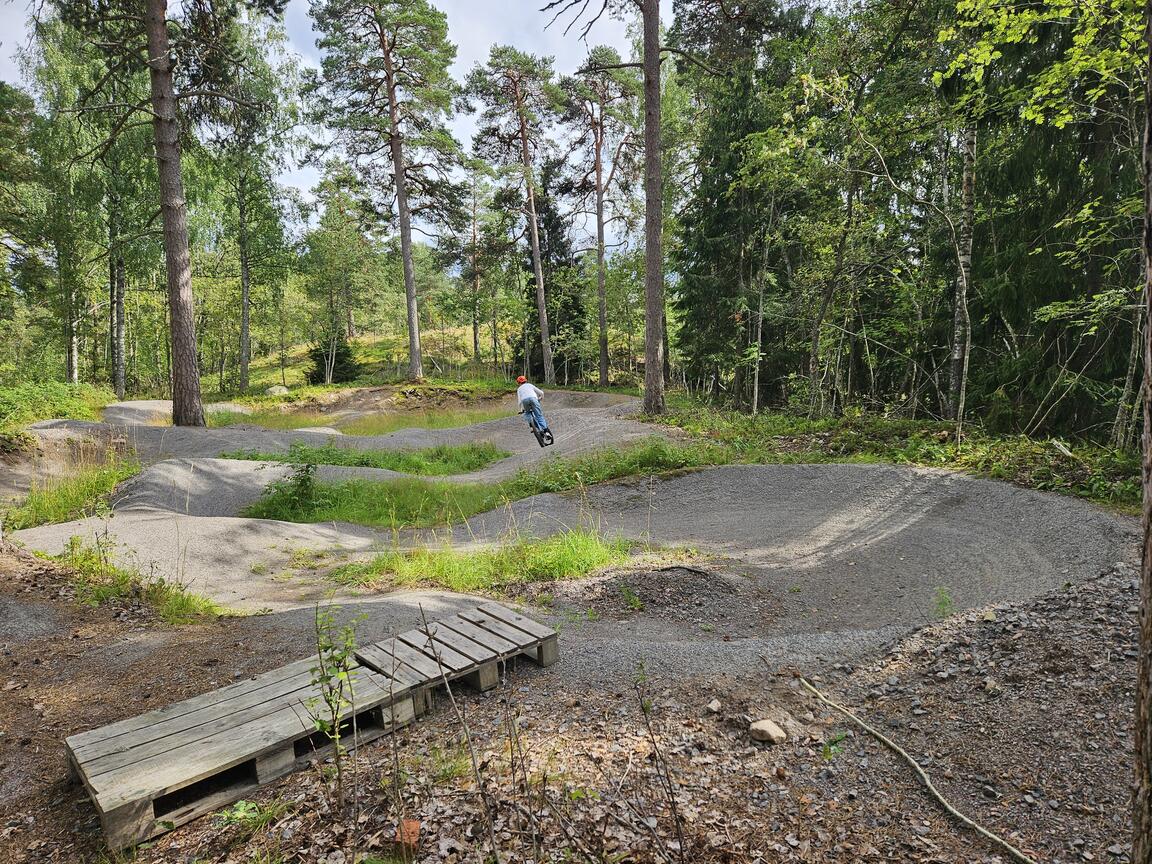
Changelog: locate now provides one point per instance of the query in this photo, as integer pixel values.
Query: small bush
(337, 354)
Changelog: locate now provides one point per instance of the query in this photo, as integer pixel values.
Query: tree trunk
(816, 397)
(415, 358)
(475, 284)
(1119, 437)
(1142, 798)
(601, 267)
(534, 238)
(245, 286)
(653, 216)
(119, 329)
(187, 409)
(961, 323)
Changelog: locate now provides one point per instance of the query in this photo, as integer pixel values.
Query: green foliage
(333, 678)
(442, 459)
(252, 817)
(21, 404)
(83, 492)
(1101, 474)
(391, 504)
(567, 555)
(422, 503)
(333, 362)
(944, 604)
(98, 580)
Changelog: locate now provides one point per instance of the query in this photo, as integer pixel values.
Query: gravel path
(842, 558)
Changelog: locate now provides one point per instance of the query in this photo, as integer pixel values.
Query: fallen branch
(923, 775)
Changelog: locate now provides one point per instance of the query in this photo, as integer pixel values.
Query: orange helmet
(521, 380)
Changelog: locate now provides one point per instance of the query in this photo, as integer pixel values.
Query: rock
(713, 707)
(277, 390)
(767, 731)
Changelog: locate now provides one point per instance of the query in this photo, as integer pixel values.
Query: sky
(474, 25)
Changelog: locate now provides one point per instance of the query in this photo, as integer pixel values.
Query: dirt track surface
(837, 558)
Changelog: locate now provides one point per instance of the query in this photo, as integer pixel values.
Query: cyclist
(528, 395)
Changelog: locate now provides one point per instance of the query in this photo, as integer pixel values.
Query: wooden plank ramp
(149, 773)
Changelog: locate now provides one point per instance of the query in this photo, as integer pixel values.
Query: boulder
(277, 390)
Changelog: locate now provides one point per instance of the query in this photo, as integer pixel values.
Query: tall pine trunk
(475, 283)
(601, 267)
(187, 409)
(961, 321)
(245, 283)
(653, 217)
(534, 240)
(1142, 799)
(396, 145)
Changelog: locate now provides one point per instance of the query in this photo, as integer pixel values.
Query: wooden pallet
(150, 773)
(470, 645)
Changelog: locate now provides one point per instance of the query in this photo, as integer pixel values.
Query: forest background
(914, 208)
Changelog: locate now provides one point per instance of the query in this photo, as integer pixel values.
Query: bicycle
(543, 436)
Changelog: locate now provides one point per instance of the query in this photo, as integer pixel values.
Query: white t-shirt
(526, 390)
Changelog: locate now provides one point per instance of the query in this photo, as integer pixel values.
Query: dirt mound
(705, 600)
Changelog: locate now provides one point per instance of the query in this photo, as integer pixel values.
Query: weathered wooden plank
(178, 767)
(380, 659)
(494, 625)
(411, 657)
(491, 640)
(517, 620)
(453, 661)
(474, 651)
(240, 706)
(117, 760)
(146, 720)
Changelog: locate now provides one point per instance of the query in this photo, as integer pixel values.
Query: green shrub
(341, 357)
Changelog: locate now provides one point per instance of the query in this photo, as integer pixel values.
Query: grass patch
(388, 504)
(1084, 470)
(29, 402)
(269, 419)
(83, 494)
(98, 580)
(443, 459)
(567, 555)
(417, 503)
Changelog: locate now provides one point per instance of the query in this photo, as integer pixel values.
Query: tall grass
(98, 580)
(404, 503)
(442, 459)
(562, 556)
(82, 494)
